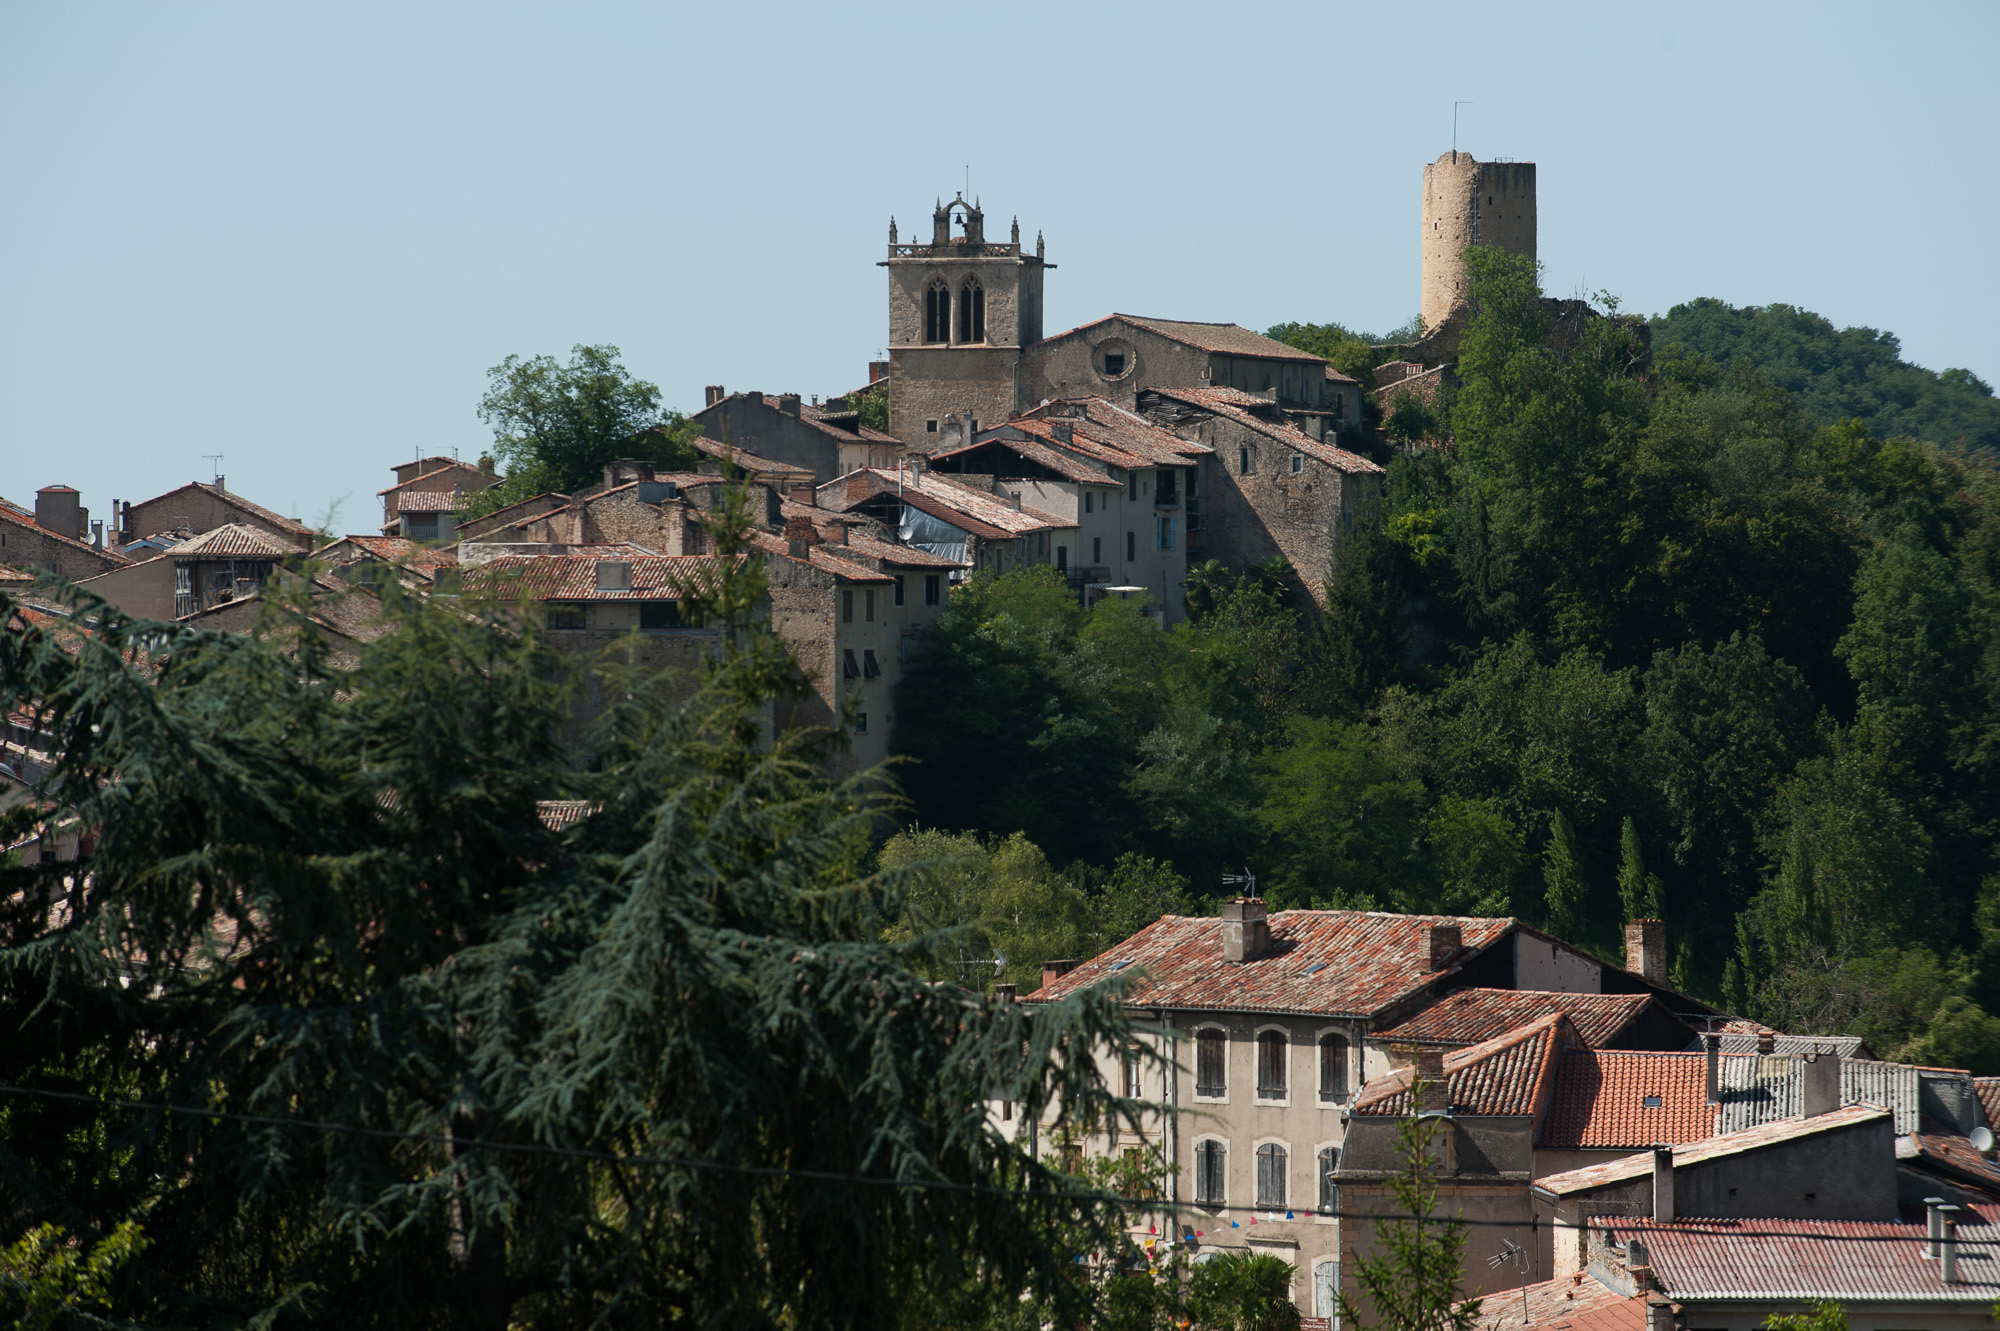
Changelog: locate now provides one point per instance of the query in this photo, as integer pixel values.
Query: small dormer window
(937, 312)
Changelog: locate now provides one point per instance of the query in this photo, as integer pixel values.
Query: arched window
(1270, 1061)
(937, 312)
(1270, 1174)
(1332, 1066)
(972, 312)
(1329, 1191)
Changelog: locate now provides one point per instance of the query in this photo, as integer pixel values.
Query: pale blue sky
(298, 235)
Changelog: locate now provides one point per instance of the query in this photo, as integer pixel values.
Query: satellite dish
(1982, 1140)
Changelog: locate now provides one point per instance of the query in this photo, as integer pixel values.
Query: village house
(51, 539)
(368, 560)
(959, 519)
(412, 501)
(823, 442)
(224, 564)
(199, 507)
(1279, 1011)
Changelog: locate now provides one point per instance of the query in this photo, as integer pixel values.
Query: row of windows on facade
(1211, 1176)
(1211, 1065)
(971, 312)
(933, 594)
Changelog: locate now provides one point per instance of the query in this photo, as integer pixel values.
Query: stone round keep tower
(1471, 203)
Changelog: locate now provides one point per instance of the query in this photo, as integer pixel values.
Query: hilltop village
(1627, 1157)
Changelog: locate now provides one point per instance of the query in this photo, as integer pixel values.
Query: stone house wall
(930, 385)
(1470, 203)
(26, 545)
(145, 589)
(201, 509)
(748, 421)
(1072, 364)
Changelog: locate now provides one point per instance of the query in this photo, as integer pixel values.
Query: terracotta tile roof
(446, 464)
(1951, 1156)
(1988, 1091)
(429, 501)
(1472, 1015)
(277, 520)
(1842, 1260)
(398, 550)
(1241, 407)
(574, 577)
(1335, 376)
(819, 556)
(1220, 338)
(232, 539)
(1577, 1302)
(1064, 464)
(903, 556)
(1106, 432)
(558, 815)
(1322, 962)
(750, 462)
(1601, 1101)
(964, 506)
(1507, 1076)
(15, 575)
(1592, 1177)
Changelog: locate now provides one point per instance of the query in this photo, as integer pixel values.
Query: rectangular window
(1329, 1191)
(1097, 549)
(1089, 502)
(930, 427)
(930, 589)
(1210, 1160)
(1242, 462)
(971, 426)
(1298, 463)
(850, 667)
(1332, 1067)
(861, 723)
(1131, 545)
(1131, 485)
(1134, 1086)
(660, 615)
(867, 605)
(1271, 1048)
(898, 593)
(1192, 472)
(1211, 1049)
(869, 668)
(1165, 534)
(1114, 363)
(565, 617)
(1270, 1174)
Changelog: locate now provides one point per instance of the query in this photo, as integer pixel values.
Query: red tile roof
(1601, 1095)
(574, 578)
(1592, 1177)
(232, 539)
(1106, 432)
(1951, 1156)
(1472, 1015)
(1219, 338)
(1053, 457)
(1241, 408)
(429, 501)
(1577, 1302)
(819, 556)
(1505, 1077)
(397, 549)
(963, 506)
(1988, 1091)
(750, 462)
(1795, 1260)
(449, 464)
(1323, 962)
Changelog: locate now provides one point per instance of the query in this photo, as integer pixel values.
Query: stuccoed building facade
(1270, 1019)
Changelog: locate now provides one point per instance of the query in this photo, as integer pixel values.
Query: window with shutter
(1270, 1175)
(1329, 1191)
(1209, 1159)
(1271, 1065)
(1332, 1067)
(1210, 1047)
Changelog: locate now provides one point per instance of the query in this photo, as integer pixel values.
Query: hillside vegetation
(1654, 633)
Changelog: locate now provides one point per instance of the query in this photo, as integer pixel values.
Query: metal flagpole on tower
(1454, 124)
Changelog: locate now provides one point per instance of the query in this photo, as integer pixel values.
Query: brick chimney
(878, 370)
(800, 537)
(1055, 970)
(1646, 950)
(1246, 931)
(1711, 1045)
(1432, 1092)
(1441, 942)
(805, 494)
(836, 532)
(1767, 1042)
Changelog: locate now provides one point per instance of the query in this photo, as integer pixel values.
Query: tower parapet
(1468, 203)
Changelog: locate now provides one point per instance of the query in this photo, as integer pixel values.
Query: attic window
(1316, 968)
(1120, 965)
(1653, 1102)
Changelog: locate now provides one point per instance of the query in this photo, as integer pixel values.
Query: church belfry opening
(937, 312)
(972, 312)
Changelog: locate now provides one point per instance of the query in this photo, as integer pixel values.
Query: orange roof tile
(1577, 1302)
(1472, 1015)
(1507, 1076)
(1606, 1099)
(574, 577)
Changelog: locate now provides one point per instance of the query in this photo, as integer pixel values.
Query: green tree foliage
(1838, 374)
(1412, 1279)
(48, 1278)
(872, 404)
(1242, 1292)
(320, 889)
(556, 425)
(1824, 1315)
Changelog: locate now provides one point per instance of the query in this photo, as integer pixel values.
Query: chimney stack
(1767, 1042)
(805, 494)
(1663, 1184)
(1646, 950)
(714, 393)
(1055, 970)
(1003, 993)
(878, 370)
(1948, 1244)
(1441, 942)
(1711, 1045)
(1933, 1226)
(788, 403)
(1819, 1083)
(1246, 932)
(1428, 1081)
(800, 537)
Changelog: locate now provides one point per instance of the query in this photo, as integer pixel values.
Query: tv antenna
(215, 465)
(1454, 124)
(1246, 879)
(1511, 1251)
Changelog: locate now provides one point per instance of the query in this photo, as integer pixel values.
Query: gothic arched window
(972, 312)
(937, 312)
